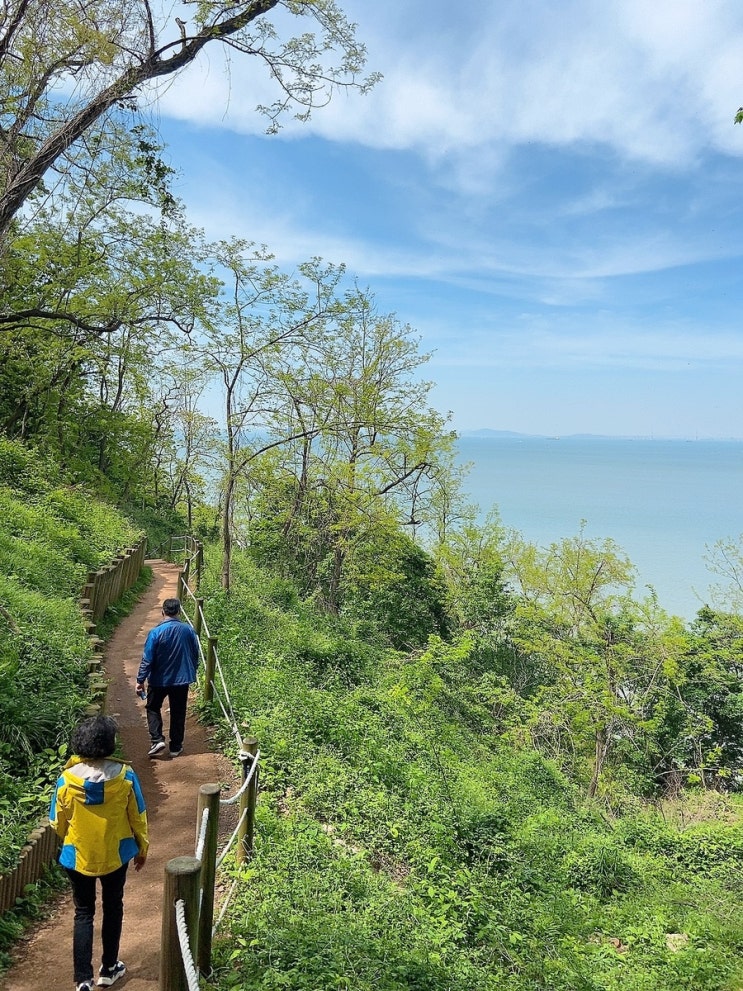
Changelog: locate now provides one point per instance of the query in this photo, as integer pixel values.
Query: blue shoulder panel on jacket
(136, 788)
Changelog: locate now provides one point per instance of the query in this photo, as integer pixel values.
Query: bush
(599, 866)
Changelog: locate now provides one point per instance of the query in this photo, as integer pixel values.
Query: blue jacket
(171, 655)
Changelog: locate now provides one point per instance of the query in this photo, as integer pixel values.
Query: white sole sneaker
(106, 980)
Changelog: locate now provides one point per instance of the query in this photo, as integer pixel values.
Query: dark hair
(95, 737)
(171, 607)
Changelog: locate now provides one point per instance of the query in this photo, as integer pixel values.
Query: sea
(664, 502)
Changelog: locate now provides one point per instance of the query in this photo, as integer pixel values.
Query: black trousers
(156, 695)
(112, 899)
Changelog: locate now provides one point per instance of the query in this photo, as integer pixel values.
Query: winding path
(44, 957)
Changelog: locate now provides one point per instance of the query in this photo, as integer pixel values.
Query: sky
(549, 193)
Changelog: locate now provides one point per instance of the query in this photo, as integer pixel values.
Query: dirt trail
(171, 786)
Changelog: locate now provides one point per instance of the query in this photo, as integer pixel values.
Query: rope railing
(232, 838)
(248, 779)
(189, 966)
(201, 838)
(190, 884)
(210, 659)
(225, 906)
(188, 905)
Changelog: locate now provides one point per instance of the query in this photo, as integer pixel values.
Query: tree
(725, 559)
(471, 557)
(370, 445)
(574, 619)
(698, 729)
(107, 303)
(263, 321)
(100, 289)
(187, 451)
(66, 64)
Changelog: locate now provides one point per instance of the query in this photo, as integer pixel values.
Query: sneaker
(176, 753)
(156, 748)
(85, 985)
(106, 976)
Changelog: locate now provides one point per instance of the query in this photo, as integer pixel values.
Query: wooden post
(248, 800)
(208, 800)
(181, 882)
(211, 664)
(199, 616)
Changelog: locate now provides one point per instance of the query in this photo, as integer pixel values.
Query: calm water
(663, 502)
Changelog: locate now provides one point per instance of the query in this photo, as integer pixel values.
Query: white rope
(229, 717)
(189, 966)
(225, 906)
(201, 838)
(224, 686)
(232, 722)
(231, 839)
(248, 778)
(190, 623)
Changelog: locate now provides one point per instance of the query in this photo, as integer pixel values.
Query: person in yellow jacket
(99, 813)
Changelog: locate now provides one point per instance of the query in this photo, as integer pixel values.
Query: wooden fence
(188, 897)
(102, 589)
(188, 926)
(108, 584)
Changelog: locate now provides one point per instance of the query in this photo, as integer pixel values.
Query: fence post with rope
(180, 914)
(210, 668)
(188, 931)
(247, 801)
(206, 851)
(188, 899)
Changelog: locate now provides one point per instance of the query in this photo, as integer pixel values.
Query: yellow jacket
(99, 813)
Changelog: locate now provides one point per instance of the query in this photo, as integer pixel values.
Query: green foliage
(395, 584)
(50, 536)
(160, 523)
(24, 469)
(598, 865)
(406, 841)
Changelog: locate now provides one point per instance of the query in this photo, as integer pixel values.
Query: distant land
(487, 434)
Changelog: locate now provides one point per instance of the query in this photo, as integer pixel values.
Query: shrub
(598, 865)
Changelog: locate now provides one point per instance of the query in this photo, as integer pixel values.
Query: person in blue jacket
(169, 662)
(98, 812)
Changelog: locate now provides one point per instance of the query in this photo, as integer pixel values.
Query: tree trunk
(227, 534)
(601, 750)
(334, 588)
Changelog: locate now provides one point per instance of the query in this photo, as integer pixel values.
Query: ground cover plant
(405, 841)
(51, 535)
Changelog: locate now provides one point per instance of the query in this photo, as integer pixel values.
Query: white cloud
(603, 341)
(553, 158)
(657, 83)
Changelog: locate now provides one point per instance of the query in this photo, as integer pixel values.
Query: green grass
(50, 536)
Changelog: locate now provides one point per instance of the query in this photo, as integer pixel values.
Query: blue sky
(551, 194)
